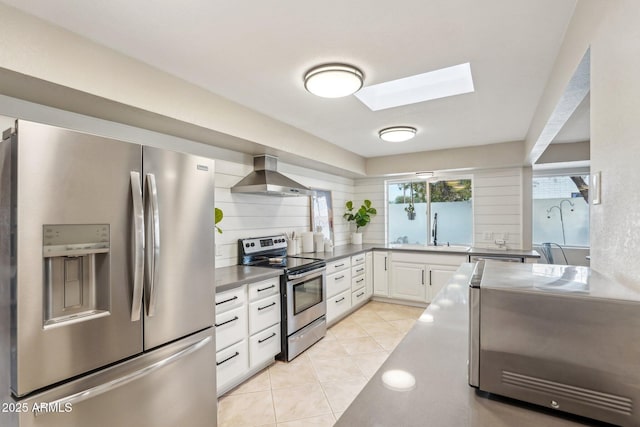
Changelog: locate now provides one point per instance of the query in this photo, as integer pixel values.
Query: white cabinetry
(338, 288)
(420, 276)
(381, 273)
(247, 331)
(232, 356)
(368, 275)
(408, 281)
(358, 279)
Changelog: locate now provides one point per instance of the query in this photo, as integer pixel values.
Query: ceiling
(256, 52)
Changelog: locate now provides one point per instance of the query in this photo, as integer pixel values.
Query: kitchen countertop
(504, 252)
(435, 352)
(237, 275)
(349, 250)
(340, 252)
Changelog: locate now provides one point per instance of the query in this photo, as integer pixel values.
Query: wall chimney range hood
(266, 180)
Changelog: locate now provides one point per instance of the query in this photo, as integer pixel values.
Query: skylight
(436, 84)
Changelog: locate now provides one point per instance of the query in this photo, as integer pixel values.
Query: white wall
(615, 142)
(249, 215)
(497, 198)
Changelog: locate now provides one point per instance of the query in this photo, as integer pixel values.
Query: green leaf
(373, 211)
(217, 218)
(349, 205)
(367, 203)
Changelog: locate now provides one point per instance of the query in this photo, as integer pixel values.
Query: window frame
(428, 180)
(553, 173)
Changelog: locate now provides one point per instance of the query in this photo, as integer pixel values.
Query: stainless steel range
(302, 289)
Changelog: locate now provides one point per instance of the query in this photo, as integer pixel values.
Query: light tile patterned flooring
(317, 386)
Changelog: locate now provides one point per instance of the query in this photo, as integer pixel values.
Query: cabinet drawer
(338, 265)
(358, 296)
(264, 313)
(231, 327)
(231, 299)
(357, 282)
(264, 289)
(358, 270)
(264, 345)
(231, 363)
(338, 282)
(338, 305)
(358, 259)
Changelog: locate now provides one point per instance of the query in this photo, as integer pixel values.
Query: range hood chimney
(266, 180)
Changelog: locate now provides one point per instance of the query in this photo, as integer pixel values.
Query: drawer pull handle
(268, 287)
(338, 300)
(359, 270)
(228, 321)
(227, 359)
(359, 295)
(358, 281)
(267, 338)
(339, 265)
(266, 306)
(338, 278)
(227, 300)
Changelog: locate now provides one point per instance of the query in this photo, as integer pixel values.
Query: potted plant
(361, 217)
(218, 217)
(411, 211)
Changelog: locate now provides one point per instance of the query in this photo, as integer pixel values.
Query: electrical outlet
(500, 242)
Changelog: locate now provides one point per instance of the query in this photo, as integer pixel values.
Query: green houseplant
(361, 217)
(218, 217)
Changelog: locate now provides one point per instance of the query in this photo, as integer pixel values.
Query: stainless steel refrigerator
(107, 286)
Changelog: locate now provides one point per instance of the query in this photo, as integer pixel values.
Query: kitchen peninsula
(424, 381)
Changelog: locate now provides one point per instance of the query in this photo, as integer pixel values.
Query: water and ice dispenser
(76, 272)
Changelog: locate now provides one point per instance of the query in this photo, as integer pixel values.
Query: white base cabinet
(408, 281)
(231, 363)
(420, 276)
(381, 273)
(247, 331)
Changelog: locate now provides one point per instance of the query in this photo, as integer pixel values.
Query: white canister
(291, 247)
(307, 241)
(328, 246)
(318, 242)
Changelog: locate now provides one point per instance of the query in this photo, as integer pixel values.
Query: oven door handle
(306, 275)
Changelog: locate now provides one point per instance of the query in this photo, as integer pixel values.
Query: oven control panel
(261, 244)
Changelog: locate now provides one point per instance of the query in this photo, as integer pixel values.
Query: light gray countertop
(237, 275)
(435, 353)
(349, 250)
(231, 277)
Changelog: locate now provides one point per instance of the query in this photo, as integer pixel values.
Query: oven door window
(307, 294)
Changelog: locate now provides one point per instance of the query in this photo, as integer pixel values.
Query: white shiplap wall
(372, 189)
(250, 215)
(497, 198)
(497, 207)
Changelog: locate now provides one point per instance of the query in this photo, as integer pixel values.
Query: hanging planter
(411, 212)
(411, 209)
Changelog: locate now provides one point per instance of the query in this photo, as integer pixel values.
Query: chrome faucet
(434, 229)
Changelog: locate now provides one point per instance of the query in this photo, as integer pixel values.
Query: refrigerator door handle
(153, 254)
(92, 392)
(138, 241)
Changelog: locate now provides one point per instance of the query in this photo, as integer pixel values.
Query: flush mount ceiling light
(397, 133)
(333, 80)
